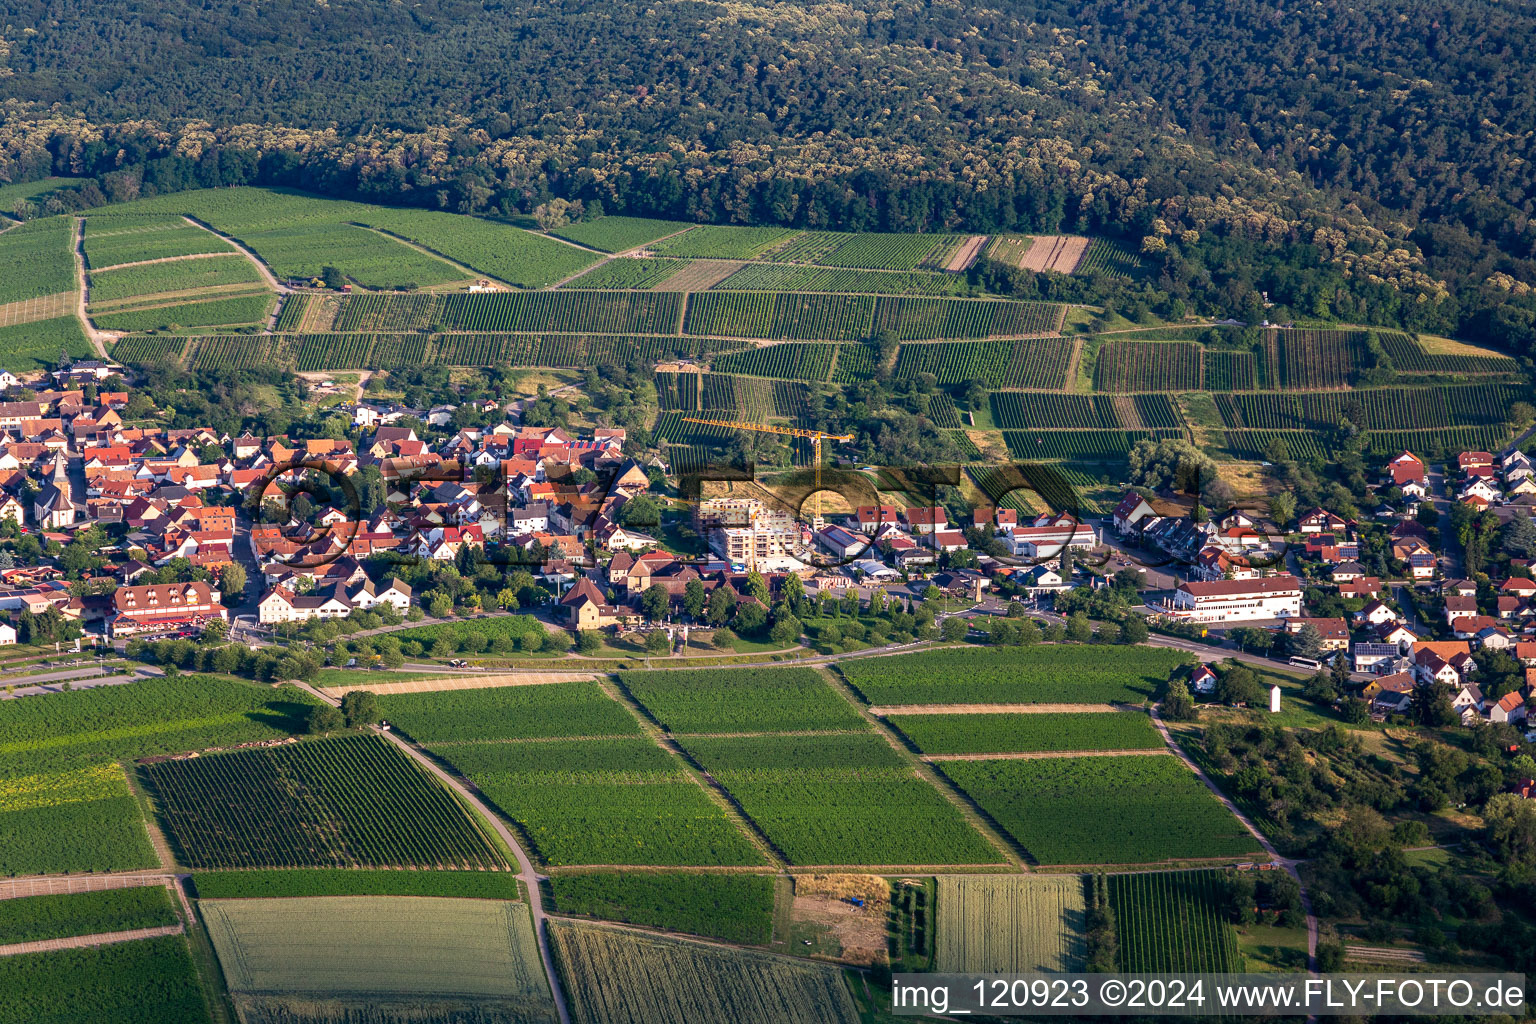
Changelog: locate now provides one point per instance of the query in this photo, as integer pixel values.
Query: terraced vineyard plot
(860, 807)
(361, 351)
(38, 259)
(779, 315)
(1229, 371)
(564, 310)
(520, 258)
(889, 251)
(810, 361)
(1451, 439)
(721, 242)
(1303, 360)
(152, 981)
(1146, 808)
(855, 364)
(619, 234)
(1147, 366)
(346, 802)
(1110, 257)
(129, 243)
(1156, 412)
(1173, 922)
(911, 319)
(1008, 734)
(618, 977)
(295, 310)
(1048, 674)
(473, 959)
(239, 351)
(1375, 409)
(231, 312)
(175, 276)
(135, 350)
(1256, 444)
(387, 312)
(1410, 356)
(670, 426)
(678, 390)
(737, 908)
(607, 801)
(991, 924)
(508, 712)
(36, 345)
(785, 277)
(1012, 411)
(941, 410)
(808, 247)
(741, 700)
(629, 273)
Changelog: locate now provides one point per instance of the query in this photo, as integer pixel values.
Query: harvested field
(43, 307)
(618, 977)
(1009, 924)
(964, 256)
(1060, 253)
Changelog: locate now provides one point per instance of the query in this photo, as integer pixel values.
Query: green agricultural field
(1145, 808)
(354, 801)
(151, 981)
(1173, 921)
(737, 908)
(27, 191)
(720, 242)
(36, 345)
(329, 959)
(1045, 674)
(508, 712)
(617, 977)
(64, 801)
(85, 913)
(1009, 734)
(110, 241)
(1002, 924)
(174, 276)
(629, 273)
(38, 259)
(619, 234)
(840, 799)
(741, 700)
(520, 258)
(610, 801)
(238, 311)
(487, 885)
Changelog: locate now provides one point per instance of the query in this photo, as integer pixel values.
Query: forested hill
(1393, 137)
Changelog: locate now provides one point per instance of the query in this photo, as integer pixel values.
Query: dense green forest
(1363, 161)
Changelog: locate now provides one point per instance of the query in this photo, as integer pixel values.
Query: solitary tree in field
(359, 708)
(657, 642)
(324, 719)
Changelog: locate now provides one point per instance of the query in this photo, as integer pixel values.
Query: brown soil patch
(1061, 253)
(966, 255)
(821, 904)
(698, 276)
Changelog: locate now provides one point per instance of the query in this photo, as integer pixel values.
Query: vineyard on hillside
(1228, 370)
(918, 318)
(780, 315)
(1148, 366)
(1025, 363)
(1375, 408)
(1172, 922)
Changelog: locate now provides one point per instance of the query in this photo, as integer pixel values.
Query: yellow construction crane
(815, 436)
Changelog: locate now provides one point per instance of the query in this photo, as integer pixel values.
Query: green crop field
(346, 802)
(1144, 808)
(991, 924)
(361, 954)
(840, 799)
(486, 885)
(36, 345)
(607, 801)
(718, 242)
(1172, 921)
(110, 241)
(37, 257)
(1008, 734)
(520, 258)
(741, 700)
(84, 913)
(791, 315)
(788, 277)
(174, 276)
(237, 311)
(64, 802)
(616, 977)
(508, 712)
(619, 234)
(27, 191)
(737, 908)
(152, 981)
(629, 273)
(1048, 674)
